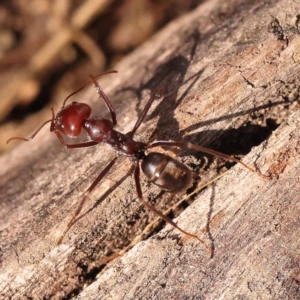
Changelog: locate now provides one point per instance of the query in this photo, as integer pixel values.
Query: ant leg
(89, 80)
(149, 206)
(85, 197)
(105, 98)
(205, 150)
(72, 146)
(154, 96)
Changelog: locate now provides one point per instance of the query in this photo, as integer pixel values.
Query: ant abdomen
(166, 172)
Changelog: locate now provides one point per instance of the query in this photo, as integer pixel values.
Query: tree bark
(231, 69)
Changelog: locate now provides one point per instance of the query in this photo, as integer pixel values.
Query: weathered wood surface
(254, 233)
(225, 65)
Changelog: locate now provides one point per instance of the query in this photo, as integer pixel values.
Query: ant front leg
(205, 150)
(105, 98)
(86, 195)
(74, 146)
(92, 79)
(152, 208)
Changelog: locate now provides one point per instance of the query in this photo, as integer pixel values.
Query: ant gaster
(160, 169)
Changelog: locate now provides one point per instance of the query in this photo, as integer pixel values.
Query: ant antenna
(101, 74)
(36, 132)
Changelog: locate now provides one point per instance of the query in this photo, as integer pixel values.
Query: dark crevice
(276, 29)
(240, 141)
(297, 23)
(73, 294)
(88, 276)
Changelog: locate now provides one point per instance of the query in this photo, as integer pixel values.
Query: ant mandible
(162, 170)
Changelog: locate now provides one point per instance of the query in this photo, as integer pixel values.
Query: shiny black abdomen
(166, 172)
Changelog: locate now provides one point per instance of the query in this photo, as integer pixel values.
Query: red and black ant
(162, 170)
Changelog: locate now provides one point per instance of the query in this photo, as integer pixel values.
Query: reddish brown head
(69, 119)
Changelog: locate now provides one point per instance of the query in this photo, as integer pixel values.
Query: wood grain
(229, 67)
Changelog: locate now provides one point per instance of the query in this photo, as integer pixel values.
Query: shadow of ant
(171, 75)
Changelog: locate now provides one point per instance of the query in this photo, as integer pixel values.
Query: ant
(162, 170)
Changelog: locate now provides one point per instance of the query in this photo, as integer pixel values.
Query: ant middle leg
(152, 208)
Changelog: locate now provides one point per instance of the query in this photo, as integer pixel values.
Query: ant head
(69, 119)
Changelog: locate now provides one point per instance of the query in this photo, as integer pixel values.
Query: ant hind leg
(152, 208)
(186, 145)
